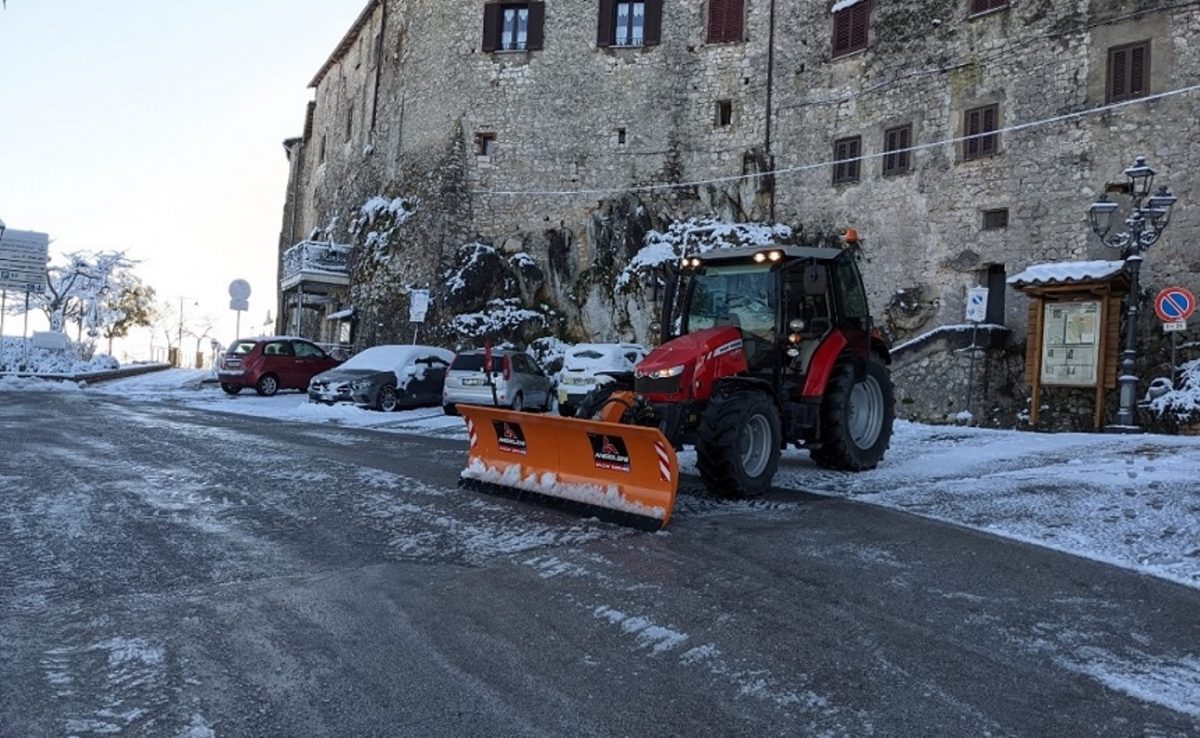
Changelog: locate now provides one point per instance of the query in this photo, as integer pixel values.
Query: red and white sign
(1174, 304)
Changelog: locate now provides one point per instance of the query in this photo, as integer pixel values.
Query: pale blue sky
(155, 126)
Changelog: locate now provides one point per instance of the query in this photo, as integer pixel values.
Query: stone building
(964, 139)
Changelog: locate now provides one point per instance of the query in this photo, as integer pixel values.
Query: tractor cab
(783, 299)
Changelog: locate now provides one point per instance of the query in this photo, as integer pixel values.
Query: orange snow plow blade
(627, 474)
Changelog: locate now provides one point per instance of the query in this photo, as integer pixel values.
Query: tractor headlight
(674, 371)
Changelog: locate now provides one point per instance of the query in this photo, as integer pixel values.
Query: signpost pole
(1174, 366)
(977, 298)
(25, 330)
(3, 300)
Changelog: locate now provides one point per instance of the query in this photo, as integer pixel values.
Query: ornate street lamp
(1145, 224)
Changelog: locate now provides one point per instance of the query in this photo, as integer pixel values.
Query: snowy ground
(1131, 501)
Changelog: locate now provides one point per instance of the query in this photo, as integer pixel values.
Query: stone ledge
(949, 338)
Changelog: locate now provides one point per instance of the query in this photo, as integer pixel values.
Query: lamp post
(1146, 222)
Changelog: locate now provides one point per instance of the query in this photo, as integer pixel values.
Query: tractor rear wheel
(856, 418)
(737, 452)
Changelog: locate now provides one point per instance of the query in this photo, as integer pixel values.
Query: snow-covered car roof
(389, 358)
(600, 355)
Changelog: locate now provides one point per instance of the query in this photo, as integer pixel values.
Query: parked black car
(385, 378)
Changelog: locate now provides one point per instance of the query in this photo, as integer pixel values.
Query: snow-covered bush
(506, 319)
(1183, 402)
(698, 235)
(13, 358)
(376, 223)
(549, 352)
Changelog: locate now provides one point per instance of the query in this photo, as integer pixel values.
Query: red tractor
(762, 347)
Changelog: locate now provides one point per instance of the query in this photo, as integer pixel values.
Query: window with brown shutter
(629, 23)
(846, 153)
(895, 160)
(726, 21)
(850, 28)
(987, 6)
(979, 125)
(1128, 71)
(513, 26)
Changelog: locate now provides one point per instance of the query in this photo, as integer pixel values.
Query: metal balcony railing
(318, 262)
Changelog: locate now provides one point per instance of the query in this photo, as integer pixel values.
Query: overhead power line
(1015, 128)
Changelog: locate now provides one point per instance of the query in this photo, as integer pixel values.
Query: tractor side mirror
(816, 280)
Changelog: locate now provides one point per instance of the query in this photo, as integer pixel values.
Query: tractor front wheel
(856, 418)
(737, 452)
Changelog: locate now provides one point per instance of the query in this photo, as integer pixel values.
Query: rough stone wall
(419, 93)
(927, 62)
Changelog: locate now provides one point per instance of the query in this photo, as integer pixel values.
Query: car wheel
(518, 402)
(268, 384)
(231, 389)
(387, 401)
(450, 408)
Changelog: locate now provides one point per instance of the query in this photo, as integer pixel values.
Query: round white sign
(239, 289)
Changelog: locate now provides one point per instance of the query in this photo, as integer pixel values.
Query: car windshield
(742, 296)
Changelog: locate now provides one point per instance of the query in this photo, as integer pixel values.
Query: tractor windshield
(742, 296)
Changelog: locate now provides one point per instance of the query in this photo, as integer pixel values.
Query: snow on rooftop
(841, 5)
(1066, 271)
(339, 315)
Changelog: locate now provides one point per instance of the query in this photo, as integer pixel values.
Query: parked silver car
(520, 383)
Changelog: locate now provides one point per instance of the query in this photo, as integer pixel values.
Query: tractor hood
(689, 364)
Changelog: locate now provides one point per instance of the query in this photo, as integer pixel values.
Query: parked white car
(585, 364)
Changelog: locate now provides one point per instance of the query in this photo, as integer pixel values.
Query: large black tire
(231, 389)
(268, 384)
(737, 451)
(856, 418)
(387, 401)
(450, 408)
(518, 402)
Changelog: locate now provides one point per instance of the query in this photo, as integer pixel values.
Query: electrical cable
(807, 167)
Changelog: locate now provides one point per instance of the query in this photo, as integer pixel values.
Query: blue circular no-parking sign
(1174, 304)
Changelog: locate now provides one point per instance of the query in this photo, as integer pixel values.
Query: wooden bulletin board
(1074, 339)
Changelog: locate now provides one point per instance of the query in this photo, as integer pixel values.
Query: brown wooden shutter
(604, 23)
(987, 144)
(491, 27)
(841, 32)
(716, 21)
(860, 16)
(1137, 71)
(972, 127)
(903, 142)
(735, 17)
(537, 21)
(653, 29)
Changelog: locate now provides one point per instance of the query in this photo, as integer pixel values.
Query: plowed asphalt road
(166, 571)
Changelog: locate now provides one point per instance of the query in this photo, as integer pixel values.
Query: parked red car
(271, 364)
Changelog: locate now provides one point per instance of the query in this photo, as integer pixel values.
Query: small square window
(485, 143)
(994, 220)
(621, 136)
(1128, 71)
(896, 159)
(321, 151)
(724, 113)
(846, 159)
(350, 122)
(979, 126)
